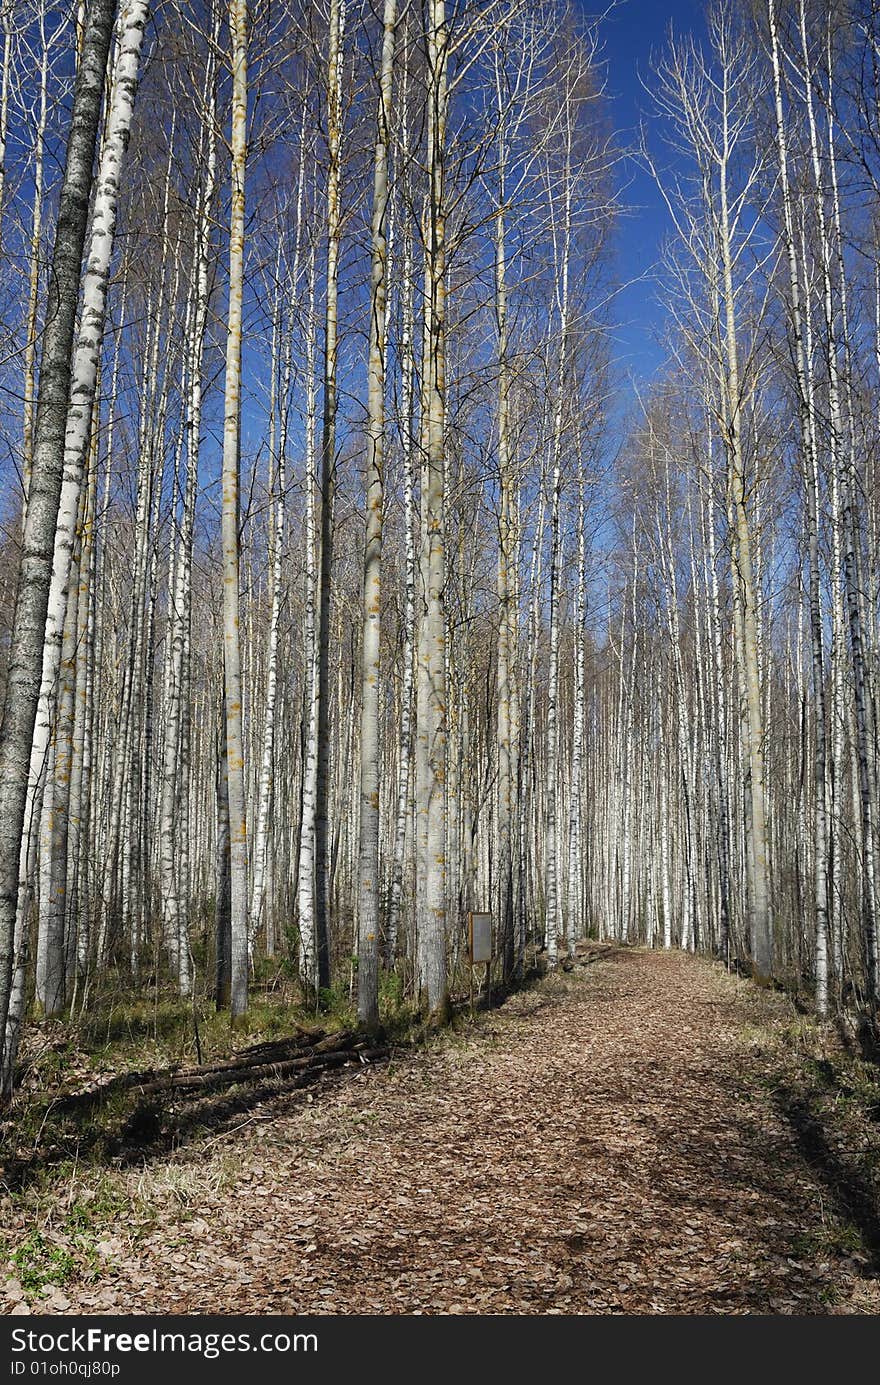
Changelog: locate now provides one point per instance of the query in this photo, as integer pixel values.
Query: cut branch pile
(271, 1063)
(163, 1108)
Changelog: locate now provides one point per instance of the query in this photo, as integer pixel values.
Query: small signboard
(480, 939)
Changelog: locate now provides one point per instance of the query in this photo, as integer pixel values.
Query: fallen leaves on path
(610, 1141)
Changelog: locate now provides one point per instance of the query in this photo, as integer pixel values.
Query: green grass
(123, 1030)
(37, 1263)
(833, 1238)
(76, 1174)
(62, 1241)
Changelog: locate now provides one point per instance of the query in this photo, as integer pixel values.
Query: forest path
(616, 1140)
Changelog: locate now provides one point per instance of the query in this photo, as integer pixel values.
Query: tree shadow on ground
(157, 1125)
(855, 1200)
(751, 1200)
(116, 1125)
(758, 1184)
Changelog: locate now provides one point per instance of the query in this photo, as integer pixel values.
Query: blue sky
(632, 30)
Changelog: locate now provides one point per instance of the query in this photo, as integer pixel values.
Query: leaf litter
(627, 1138)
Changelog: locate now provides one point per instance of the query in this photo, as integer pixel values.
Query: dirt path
(607, 1142)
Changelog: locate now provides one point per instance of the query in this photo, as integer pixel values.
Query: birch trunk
(368, 884)
(846, 487)
(261, 906)
(553, 925)
(574, 927)
(80, 411)
(51, 968)
(31, 328)
(5, 68)
(230, 522)
(761, 918)
(175, 771)
(506, 612)
(222, 877)
(811, 495)
(431, 644)
(81, 843)
(721, 757)
(328, 492)
(35, 570)
(403, 798)
(306, 876)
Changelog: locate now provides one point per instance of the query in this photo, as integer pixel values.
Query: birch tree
(431, 728)
(368, 898)
(231, 456)
(35, 570)
(320, 963)
(710, 105)
(61, 612)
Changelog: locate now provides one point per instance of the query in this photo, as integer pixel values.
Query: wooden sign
(480, 938)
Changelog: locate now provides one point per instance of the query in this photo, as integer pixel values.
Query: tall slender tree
(35, 569)
(231, 519)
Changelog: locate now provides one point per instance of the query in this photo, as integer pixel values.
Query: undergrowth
(829, 1096)
(78, 1165)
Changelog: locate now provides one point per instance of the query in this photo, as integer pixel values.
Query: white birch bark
(306, 875)
(506, 611)
(261, 905)
(82, 388)
(5, 72)
(761, 916)
(323, 861)
(431, 731)
(81, 844)
(845, 522)
(403, 797)
(368, 882)
(29, 356)
(553, 923)
(175, 769)
(811, 494)
(35, 570)
(51, 970)
(230, 520)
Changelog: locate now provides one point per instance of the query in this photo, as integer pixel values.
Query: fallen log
(259, 1055)
(198, 1080)
(304, 1041)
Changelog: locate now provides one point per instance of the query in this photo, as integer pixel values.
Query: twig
(233, 1129)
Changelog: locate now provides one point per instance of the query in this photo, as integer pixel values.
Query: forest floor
(645, 1134)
